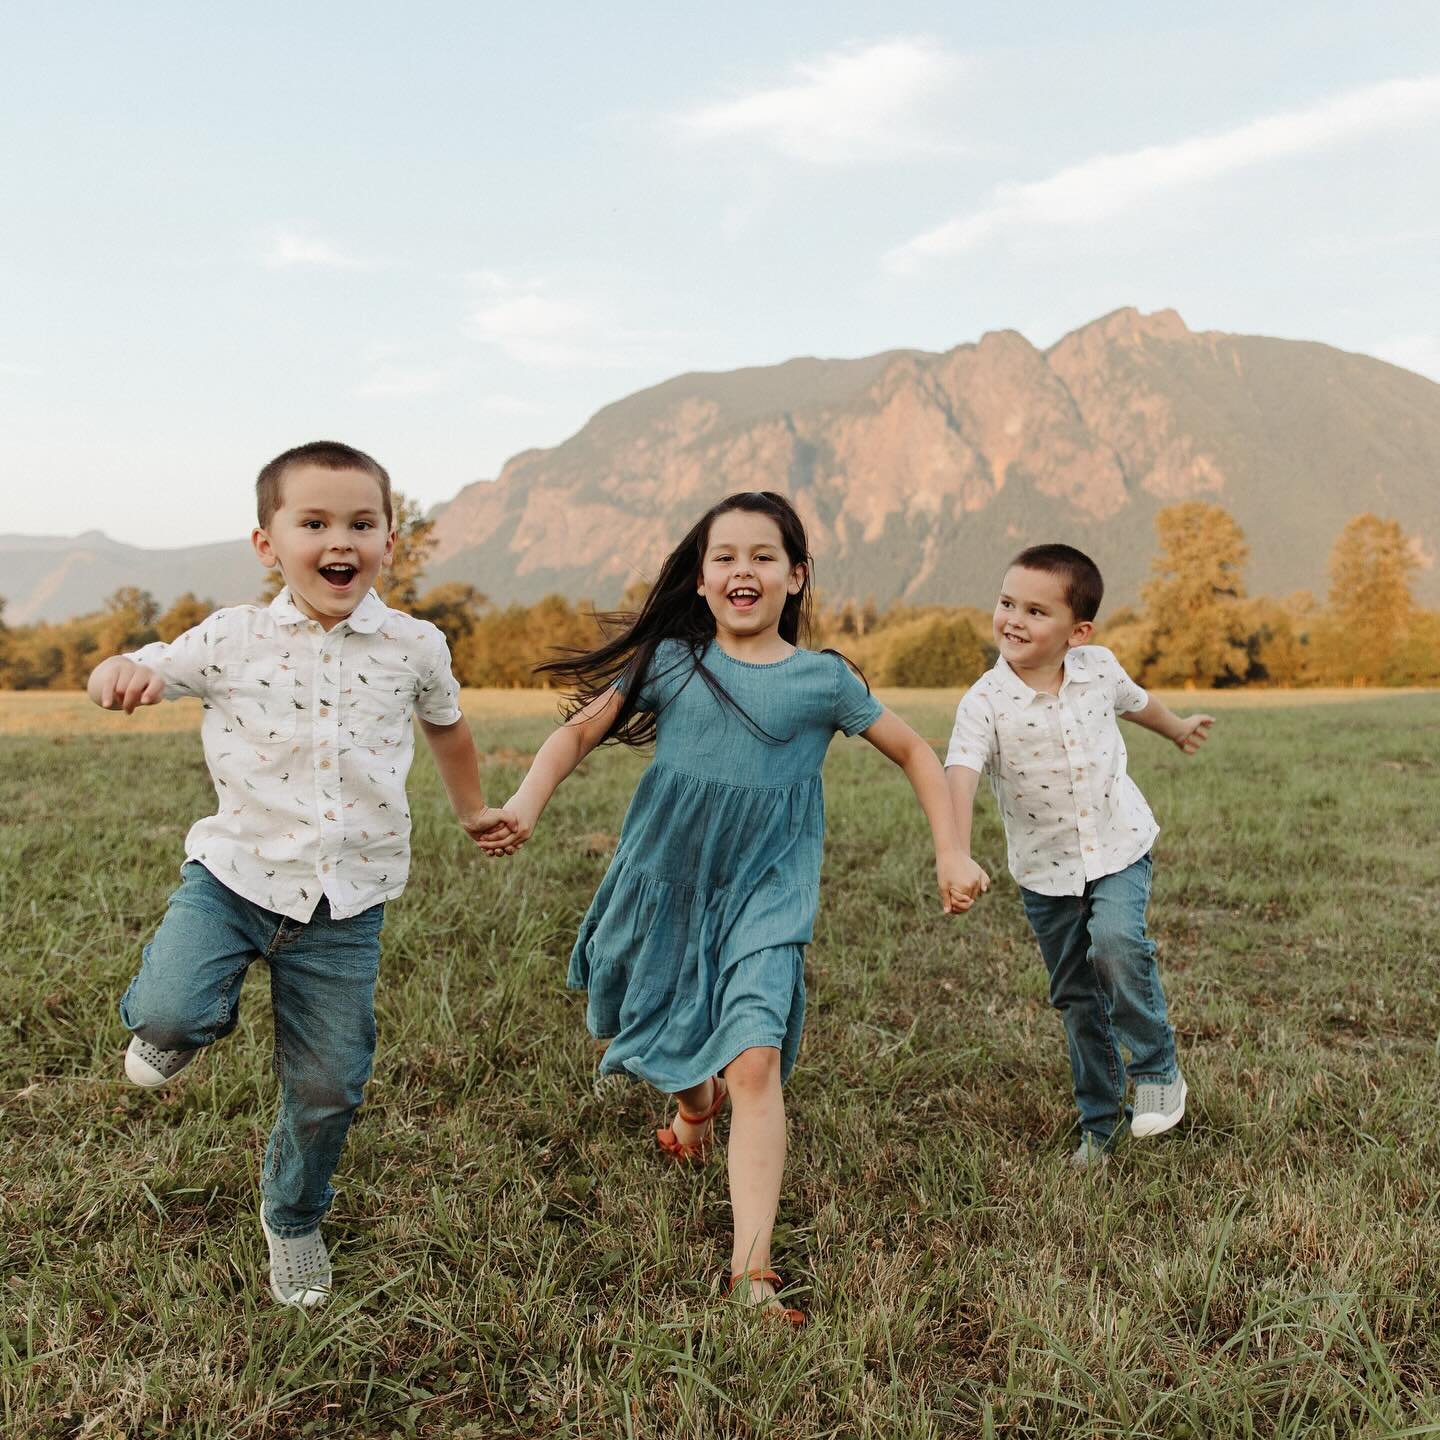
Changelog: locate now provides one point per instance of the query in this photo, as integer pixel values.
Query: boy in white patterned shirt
(308, 739)
(1078, 833)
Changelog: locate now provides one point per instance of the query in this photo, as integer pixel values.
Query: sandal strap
(716, 1105)
(769, 1275)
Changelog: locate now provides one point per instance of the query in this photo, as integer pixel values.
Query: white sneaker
(1158, 1107)
(1090, 1154)
(299, 1267)
(148, 1066)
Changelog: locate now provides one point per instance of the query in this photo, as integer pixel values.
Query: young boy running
(307, 735)
(1078, 833)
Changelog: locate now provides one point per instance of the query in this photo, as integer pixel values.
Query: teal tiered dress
(693, 948)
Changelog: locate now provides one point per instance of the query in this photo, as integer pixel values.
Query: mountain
(919, 473)
(52, 577)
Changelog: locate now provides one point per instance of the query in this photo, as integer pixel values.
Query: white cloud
(869, 103)
(289, 247)
(1107, 185)
(535, 327)
(1420, 353)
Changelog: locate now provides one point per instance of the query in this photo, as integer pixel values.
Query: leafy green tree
(1193, 598)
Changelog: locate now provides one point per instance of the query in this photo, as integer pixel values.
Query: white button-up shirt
(308, 738)
(1057, 766)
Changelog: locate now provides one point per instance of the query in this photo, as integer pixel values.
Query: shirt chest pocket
(380, 701)
(258, 701)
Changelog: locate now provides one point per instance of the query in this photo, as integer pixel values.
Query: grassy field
(514, 1260)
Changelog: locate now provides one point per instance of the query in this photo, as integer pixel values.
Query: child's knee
(753, 1072)
(1120, 951)
(325, 1091)
(161, 1017)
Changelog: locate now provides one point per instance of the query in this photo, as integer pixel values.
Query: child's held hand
(121, 684)
(505, 839)
(962, 882)
(493, 830)
(1194, 731)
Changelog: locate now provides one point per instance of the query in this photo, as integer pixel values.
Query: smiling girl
(692, 950)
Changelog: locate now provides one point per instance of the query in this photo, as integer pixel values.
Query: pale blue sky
(446, 232)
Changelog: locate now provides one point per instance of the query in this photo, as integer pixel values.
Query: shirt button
(324, 764)
(323, 712)
(325, 869)
(325, 658)
(1084, 812)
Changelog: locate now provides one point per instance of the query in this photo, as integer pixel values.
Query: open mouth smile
(744, 598)
(337, 576)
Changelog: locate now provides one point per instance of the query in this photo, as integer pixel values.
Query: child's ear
(1082, 632)
(389, 554)
(263, 548)
(797, 579)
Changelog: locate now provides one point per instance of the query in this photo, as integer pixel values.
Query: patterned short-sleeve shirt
(1057, 764)
(308, 739)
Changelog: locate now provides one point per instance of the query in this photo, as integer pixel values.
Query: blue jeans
(322, 990)
(1104, 983)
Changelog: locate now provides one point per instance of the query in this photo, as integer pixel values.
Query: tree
(1370, 601)
(938, 652)
(399, 582)
(127, 624)
(183, 615)
(454, 606)
(1193, 598)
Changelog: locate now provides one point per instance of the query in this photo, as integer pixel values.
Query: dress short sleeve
(669, 666)
(972, 741)
(856, 709)
(187, 662)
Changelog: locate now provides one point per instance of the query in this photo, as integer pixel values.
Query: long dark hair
(675, 610)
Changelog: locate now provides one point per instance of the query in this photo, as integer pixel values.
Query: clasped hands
(500, 831)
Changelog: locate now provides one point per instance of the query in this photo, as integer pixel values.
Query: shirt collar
(364, 619)
(1077, 670)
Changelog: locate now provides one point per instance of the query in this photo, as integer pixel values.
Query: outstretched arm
(1187, 733)
(960, 879)
(453, 747)
(566, 747)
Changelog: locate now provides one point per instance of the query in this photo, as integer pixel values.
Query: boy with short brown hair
(308, 739)
(1078, 833)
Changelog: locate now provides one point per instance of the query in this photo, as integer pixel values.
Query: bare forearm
(453, 747)
(562, 751)
(927, 779)
(1156, 716)
(962, 782)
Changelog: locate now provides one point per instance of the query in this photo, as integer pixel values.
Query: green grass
(512, 1257)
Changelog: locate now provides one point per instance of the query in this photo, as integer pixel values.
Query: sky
(447, 232)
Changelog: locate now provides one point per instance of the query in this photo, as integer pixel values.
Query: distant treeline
(1195, 624)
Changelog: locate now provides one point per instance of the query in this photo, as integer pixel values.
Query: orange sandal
(683, 1151)
(781, 1312)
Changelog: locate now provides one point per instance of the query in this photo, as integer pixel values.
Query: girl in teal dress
(692, 951)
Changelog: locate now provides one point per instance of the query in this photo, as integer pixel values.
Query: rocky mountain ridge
(917, 473)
